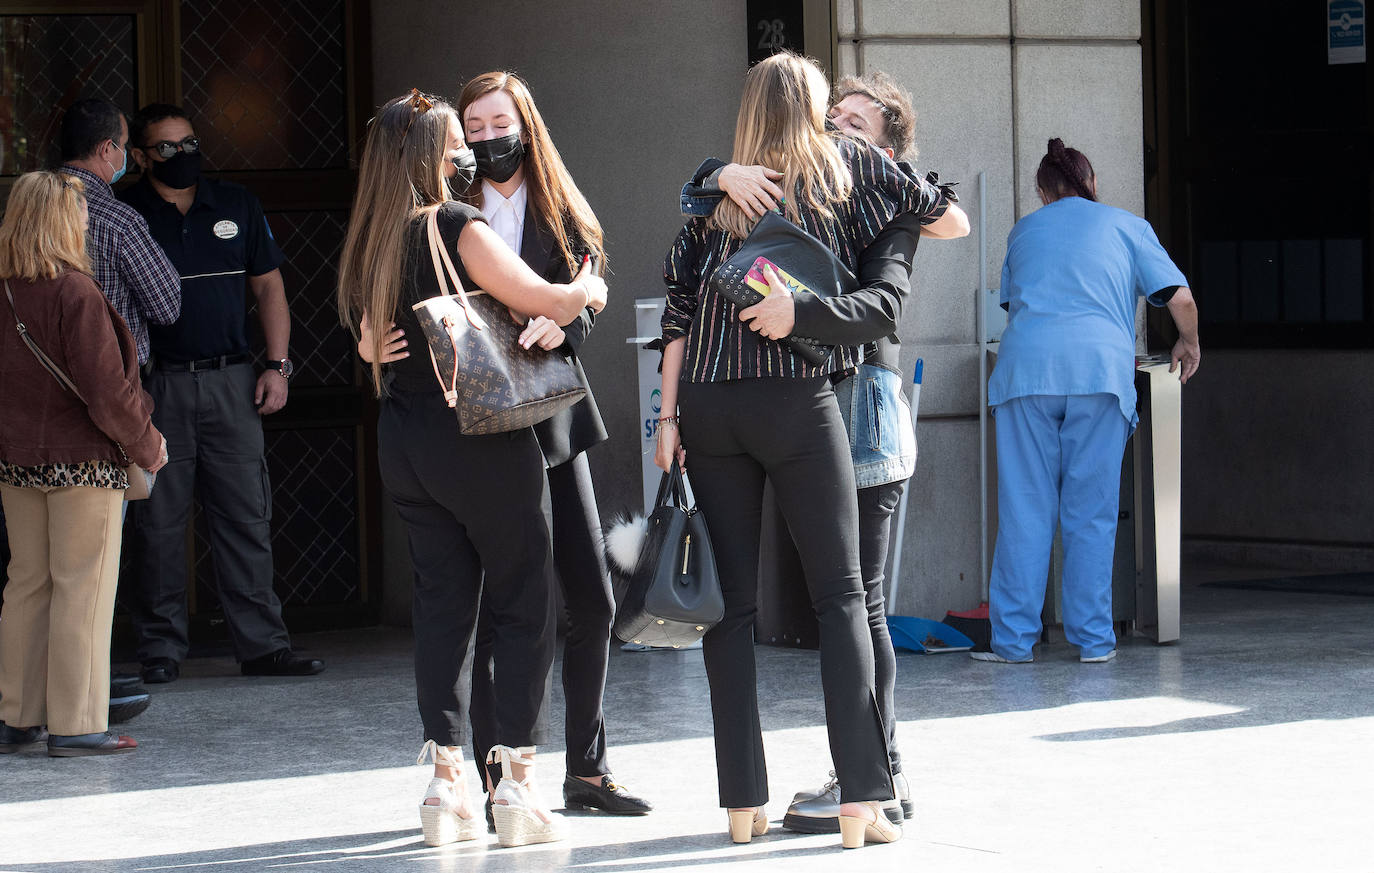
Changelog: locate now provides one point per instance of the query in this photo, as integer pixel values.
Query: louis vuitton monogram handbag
(492, 382)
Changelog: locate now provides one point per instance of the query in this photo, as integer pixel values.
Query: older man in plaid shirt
(132, 270)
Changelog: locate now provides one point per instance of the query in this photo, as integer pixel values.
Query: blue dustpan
(925, 635)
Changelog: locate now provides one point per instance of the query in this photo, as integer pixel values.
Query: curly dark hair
(899, 119)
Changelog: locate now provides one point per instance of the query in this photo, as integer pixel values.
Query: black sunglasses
(190, 145)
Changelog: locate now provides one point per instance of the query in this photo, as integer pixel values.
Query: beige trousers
(58, 607)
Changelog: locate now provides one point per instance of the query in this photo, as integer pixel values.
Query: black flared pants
(737, 434)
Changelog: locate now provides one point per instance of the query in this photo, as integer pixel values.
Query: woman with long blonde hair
(471, 504)
(739, 408)
(62, 475)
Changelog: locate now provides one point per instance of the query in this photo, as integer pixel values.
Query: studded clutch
(802, 261)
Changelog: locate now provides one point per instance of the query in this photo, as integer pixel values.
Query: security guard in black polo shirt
(208, 402)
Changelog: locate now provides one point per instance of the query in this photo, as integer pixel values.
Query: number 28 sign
(774, 25)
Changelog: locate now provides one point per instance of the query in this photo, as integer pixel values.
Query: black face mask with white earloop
(466, 165)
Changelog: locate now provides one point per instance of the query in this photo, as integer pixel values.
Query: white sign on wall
(1345, 31)
(648, 313)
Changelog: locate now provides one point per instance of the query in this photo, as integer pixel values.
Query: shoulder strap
(48, 363)
(439, 252)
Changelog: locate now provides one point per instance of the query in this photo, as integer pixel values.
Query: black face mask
(179, 171)
(498, 159)
(466, 165)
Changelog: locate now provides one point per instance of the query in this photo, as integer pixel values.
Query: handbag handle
(49, 364)
(671, 486)
(437, 253)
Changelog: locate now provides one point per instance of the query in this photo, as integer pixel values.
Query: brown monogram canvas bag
(493, 383)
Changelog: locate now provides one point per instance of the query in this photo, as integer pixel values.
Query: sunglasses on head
(190, 145)
(419, 104)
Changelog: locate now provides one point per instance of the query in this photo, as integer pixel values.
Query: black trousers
(737, 434)
(214, 439)
(590, 608)
(876, 507)
(472, 505)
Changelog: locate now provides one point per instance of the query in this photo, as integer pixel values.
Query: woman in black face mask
(533, 204)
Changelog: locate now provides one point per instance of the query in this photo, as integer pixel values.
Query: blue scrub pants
(1058, 458)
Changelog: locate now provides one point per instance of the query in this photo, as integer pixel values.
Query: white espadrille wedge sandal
(521, 817)
(442, 810)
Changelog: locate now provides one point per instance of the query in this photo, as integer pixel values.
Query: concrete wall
(992, 80)
(635, 95)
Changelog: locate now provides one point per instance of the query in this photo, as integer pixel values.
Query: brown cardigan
(40, 421)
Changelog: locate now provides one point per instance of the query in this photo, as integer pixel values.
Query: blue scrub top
(1072, 274)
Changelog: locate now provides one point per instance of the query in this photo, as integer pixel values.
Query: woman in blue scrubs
(1063, 394)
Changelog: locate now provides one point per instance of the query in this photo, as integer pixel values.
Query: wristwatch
(283, 366)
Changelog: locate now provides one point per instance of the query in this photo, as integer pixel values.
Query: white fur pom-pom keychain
(624, 540)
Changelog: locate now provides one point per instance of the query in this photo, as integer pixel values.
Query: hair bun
(1056, 147)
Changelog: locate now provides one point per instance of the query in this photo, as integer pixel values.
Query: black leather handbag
(674, 595)
(801, 261)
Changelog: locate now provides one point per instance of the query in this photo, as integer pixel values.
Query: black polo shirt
(220, 241)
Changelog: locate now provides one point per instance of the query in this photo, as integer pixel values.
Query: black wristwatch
(283, 366)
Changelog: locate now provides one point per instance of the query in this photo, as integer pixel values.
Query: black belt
(203, 364)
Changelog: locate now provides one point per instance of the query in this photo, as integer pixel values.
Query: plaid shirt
(130, 268)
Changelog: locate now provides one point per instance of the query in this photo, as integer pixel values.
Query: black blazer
(869, 315)
(579, 427)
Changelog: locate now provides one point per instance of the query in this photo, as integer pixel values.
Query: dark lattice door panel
(48, 62)
(321, 349)
(266, 82)
(314, 520)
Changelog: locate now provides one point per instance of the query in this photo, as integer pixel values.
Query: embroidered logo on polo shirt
(226, 229)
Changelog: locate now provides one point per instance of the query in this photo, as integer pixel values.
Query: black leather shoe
(124, 680)
(607, 797)
(282, 662)
(86, 745)
(160, 671)
(818, 812)
(13, 739)
(126, 702)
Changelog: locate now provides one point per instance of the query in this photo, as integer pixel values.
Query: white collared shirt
(505, 216)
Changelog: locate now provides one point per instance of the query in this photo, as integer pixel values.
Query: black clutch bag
(674, 595)
(800, 260)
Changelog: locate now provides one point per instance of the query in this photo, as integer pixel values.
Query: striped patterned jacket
(720, 347)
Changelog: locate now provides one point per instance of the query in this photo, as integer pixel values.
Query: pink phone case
(756, 280)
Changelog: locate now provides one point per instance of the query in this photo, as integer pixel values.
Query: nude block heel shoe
(745, 824)
(442, 822)
(857, 830)
(520, 817)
